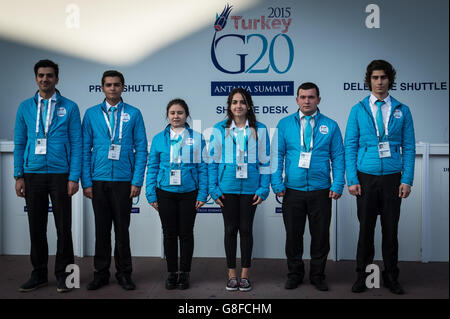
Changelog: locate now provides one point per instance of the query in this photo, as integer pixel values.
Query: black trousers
(177, 212)
(238, 214)
(112, 203)
(37, 189)
(317, 206)
(379, 195)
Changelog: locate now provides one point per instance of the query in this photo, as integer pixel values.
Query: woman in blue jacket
(239, 177)
(177, 186)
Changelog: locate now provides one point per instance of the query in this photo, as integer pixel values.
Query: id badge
(114, 152)
(41, 146)
(175, 177)
(305, 159)
(241, 170)
(384, 150)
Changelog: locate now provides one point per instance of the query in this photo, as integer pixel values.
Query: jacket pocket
(361, 158)
(27, 154)
(93, 157)
(223, 172)
(194, 178)
(67, 155)
(131, 160)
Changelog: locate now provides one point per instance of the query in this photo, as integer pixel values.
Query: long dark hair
(251, 117)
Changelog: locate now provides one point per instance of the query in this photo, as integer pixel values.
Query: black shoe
(293, 282)
(232, 284)
(320, 284)
(61, 285)
(33, 284)
(245, 285)
(171, 281)
(360, 284)
(126, 282)
(97, 283)
(393, 285)
(183, 280)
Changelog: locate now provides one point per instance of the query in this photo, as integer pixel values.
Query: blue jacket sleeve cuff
(337, 189)
(152, 198)
(278, 188)
(216, 193)
(262, 192)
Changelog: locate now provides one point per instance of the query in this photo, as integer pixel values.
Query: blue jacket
(361, 143)
(96, 143)
(194, 172)
(222, 166)
(327, 145)
(63, 139)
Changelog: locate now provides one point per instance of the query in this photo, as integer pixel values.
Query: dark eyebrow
(42, 74)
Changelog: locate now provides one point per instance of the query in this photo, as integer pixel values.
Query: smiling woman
(176, 188)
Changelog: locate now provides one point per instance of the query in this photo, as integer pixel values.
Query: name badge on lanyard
(384, 150)
(41, 143)
(305, 157)
(114, 152)
(241, 167)
(241, 170)
(114, 149)
(175, 177)
(41, 146)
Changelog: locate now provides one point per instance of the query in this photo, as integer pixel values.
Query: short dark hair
(308, 86)
(383, 66)
(46, 64)
(180, 102)
(113, 73)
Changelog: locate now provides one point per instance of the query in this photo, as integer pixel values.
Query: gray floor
(208, 279)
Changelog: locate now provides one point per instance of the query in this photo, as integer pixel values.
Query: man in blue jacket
(304, 145)
(47, 161)
(379, 157)
(114, 159)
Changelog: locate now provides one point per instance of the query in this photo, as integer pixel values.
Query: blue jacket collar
(297, 117)
(58, 96)
(394, 104)
(167, 129)
(105, 109)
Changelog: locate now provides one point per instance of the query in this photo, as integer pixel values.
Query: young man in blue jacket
(304, 145)
(379, 157)
(114, 159)
(47, 161)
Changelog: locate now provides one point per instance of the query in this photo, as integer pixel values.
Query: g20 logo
(219, 25)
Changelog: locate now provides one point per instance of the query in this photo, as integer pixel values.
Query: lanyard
(38, 117)
(176, 158)
(386, 132)
(301, 136)
(113, 133)
(240, 154)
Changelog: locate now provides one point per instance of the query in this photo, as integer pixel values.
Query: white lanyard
(38, 117)
(172, 157)
(301, 136)
(240, 154)
(111, 132)
(386, 131)
(236, 139)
